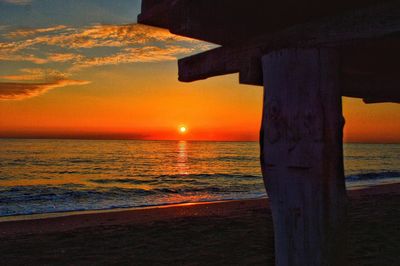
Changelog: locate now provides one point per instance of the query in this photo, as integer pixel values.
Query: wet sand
(222, 233)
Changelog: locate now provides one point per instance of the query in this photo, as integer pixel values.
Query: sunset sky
(84, 69)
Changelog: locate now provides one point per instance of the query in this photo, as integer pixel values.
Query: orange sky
(100, 76)
(147, 102)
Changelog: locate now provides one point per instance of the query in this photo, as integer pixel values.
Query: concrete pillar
(302, 155)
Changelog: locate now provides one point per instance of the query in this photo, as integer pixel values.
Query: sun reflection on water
(182, 158)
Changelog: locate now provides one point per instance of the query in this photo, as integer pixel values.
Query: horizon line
(150, 139)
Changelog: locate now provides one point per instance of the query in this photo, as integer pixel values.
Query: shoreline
(144, 215)
(46, 215)
(67, 221)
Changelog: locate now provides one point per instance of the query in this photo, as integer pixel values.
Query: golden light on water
(182, 164)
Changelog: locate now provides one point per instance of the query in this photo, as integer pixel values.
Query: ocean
(47, 176)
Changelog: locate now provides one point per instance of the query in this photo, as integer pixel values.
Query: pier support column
(302, 155)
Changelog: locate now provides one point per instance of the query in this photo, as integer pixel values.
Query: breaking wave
(373, 176)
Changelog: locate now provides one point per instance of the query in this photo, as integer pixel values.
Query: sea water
(43, 176)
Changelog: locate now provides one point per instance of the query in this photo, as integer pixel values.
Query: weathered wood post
(301, 154)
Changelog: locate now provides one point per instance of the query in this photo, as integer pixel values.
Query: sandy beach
(219, 233)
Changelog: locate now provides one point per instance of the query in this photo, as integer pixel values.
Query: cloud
(134, 55)
(93, 36)
(13, 57)
(18, 91)
(72, 49)
(121, 35)
(17, 2)
(132, 43)
(34, 74)
(26, 32)
(113, 36)
(64, 57)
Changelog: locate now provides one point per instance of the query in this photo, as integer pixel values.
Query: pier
(306, 55)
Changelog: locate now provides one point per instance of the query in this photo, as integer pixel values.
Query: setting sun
(182, 129)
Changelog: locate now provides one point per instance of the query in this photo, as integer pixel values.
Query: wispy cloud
(134, 55)
(118, 36)
(19, 91)
(64, 47)
(64, 57)
(34, 74)
(14, 57)
(26, 32)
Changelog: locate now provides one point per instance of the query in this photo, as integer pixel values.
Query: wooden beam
(302, 157)
(155, 13)
(227, 22)
(372, 88)
(251, 71)
(351, 28)
(211, 63)
(376, 57)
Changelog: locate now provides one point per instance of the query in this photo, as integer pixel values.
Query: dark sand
(226, 233)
